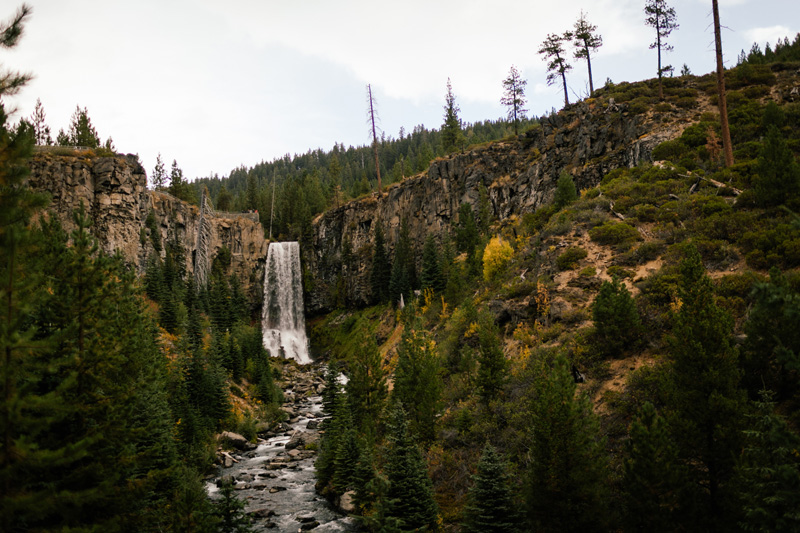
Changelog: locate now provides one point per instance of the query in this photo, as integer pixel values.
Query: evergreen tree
(41, 130)
(661, 17)
(230, 512)
(778, 178)
(381, 269)
(707, 404)
(19, 286)
(566, 478)
(514, 96)
(586, 41)
(366, 388)
(556, 57)
(566, 193)
(416, 378)
(493, 365)
(616, 319)
(97, 380)
(81, 131)
(654, 476)
(770, 474)
(431, 275)
(772, 347)
(159, 179)
(409, 499)
(452, 135)
(491, 507)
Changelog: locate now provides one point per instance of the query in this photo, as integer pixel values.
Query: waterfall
(283, 323)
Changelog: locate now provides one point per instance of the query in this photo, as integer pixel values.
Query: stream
(277, 485)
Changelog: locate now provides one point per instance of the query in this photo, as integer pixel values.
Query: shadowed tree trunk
(723, 103)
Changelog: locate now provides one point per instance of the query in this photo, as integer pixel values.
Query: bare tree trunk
(589, 63)
(374, 138)
(564, 81)
(723, 101)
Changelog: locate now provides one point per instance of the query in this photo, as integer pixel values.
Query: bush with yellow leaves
(495, 257)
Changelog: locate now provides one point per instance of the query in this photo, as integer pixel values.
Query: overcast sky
(219, 84)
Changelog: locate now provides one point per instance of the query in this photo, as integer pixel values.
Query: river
(277, 485)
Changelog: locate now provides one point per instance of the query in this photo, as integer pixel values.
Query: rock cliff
(588, 140)
(115, 196)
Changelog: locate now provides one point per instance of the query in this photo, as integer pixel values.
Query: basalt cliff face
(114, 194)
(520, 175)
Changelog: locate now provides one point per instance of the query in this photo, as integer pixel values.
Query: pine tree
(556, 57)
(81, 131)
(230, 511)
(98, 382)
(707, 404)
(159, 180)
(770, 474)
(566, 193)
(565, 486)
(586, 41)
(616, 319)
(366, 388)
(514, 96)
(452, 135)
(409, 498)
(491, 507)
(381, 269)
(654, 476)
(778, 173)
(41, 130)
(416, 380)
(772, 347)
(431, 275)
(493, 365)
(661, 17)
(19, 286)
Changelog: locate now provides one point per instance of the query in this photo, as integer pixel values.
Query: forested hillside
(305, 185)
(621, 359)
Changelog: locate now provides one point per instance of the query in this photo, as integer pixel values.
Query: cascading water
(283, 323)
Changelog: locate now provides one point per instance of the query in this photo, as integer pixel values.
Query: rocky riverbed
(275, 477)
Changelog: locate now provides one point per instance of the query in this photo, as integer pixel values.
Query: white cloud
(769, 34)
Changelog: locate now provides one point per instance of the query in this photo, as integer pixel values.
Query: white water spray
(283, 322)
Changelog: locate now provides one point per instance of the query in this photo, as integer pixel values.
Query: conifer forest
(610, 346)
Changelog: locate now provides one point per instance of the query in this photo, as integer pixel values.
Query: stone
(346, 503)
(262, 513)
(234, 440)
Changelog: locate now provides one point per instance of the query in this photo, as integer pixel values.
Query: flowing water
(283, 322)
(277, 485)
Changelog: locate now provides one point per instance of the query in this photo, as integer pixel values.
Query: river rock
(312, 424)
(346, 503)
(262, 513)
(299, 438)
(235, 440)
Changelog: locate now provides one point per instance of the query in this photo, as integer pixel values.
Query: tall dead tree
(727, 148)
(374, 135)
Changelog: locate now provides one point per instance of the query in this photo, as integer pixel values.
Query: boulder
(235, 440)
(346, 503)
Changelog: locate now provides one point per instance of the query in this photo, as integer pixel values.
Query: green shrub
(613, 233)
(616, 271)
(570, 258)
(686, 102)
(670, 150)
(588, 272)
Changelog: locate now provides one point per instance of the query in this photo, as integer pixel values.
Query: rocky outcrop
(588, 140)
(114, 193)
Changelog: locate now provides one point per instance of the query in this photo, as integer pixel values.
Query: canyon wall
(520, 175)
(114, 193)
